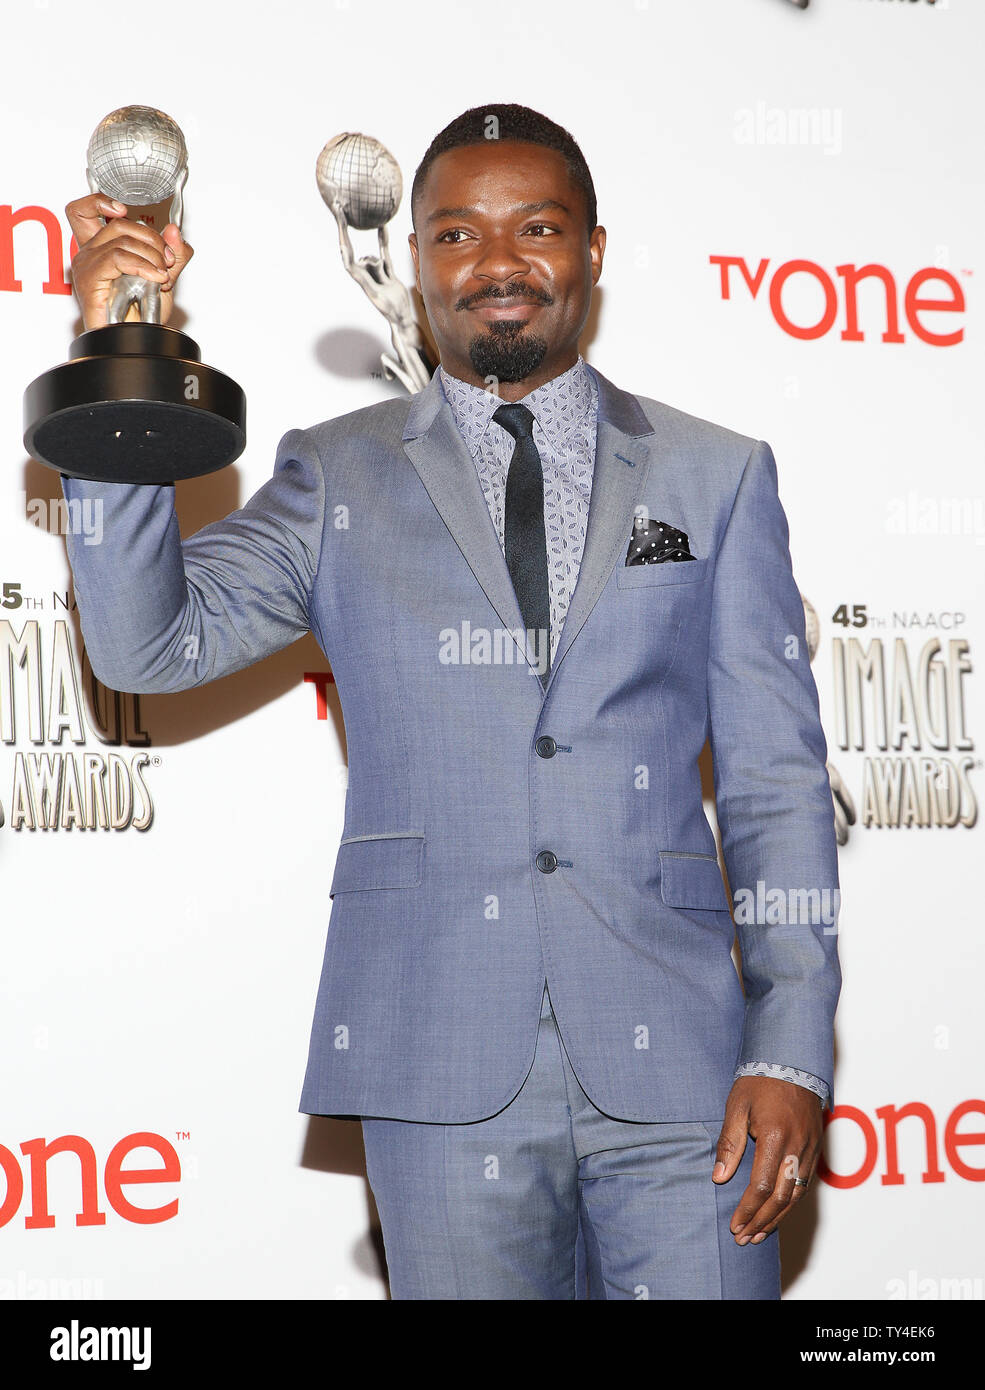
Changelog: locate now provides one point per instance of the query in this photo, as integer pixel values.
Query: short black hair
(510, 122)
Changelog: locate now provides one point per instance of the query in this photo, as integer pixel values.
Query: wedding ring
(801, 1182)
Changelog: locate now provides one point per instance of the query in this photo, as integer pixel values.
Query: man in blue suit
(540, 594)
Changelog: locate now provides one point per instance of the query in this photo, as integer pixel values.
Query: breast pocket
(658, 576)
(392, 859)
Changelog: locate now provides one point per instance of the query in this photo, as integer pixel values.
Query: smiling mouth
(505, 309)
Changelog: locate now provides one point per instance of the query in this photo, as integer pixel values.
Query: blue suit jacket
(497, 833)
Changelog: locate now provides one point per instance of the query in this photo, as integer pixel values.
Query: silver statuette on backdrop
(360, 182)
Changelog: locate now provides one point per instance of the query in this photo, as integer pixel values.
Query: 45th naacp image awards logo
(900, 698)
(52, 711)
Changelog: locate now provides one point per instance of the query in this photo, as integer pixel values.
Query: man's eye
(458, 233)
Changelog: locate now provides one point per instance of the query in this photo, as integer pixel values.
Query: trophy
(359, 179)
(135, 403)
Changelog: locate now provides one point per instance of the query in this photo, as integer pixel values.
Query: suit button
(547, 861)
(546, 747)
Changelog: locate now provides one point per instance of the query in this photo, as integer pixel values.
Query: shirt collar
(559, 405)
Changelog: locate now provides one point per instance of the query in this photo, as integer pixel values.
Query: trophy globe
(138, 156)
(364, 175)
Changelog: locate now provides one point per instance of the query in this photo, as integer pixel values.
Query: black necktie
(526, 540)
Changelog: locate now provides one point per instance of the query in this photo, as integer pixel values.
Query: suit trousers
(551, 1199)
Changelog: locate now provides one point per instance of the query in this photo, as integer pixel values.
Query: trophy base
(134, 404)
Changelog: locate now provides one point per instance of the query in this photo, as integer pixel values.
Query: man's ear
(596, 252)
(412, 242)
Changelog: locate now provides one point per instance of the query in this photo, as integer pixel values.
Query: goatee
(506, 352)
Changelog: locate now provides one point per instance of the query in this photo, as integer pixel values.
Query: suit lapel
(435, 447)
(437, 450)
(622, 461)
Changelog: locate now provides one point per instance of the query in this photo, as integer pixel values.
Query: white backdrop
(159, 983)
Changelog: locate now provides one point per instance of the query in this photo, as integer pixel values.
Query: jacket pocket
(670, 572)
(391, 859)
(692, 880)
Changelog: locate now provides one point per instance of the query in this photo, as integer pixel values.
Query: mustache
(515, 290)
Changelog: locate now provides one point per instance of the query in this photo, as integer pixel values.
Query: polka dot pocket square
(652, 542)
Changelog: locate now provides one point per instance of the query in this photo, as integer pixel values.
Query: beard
(505, 351)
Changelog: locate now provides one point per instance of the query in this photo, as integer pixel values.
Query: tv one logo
(865, 1148)
(115, 1177)
(821, 300)
(55, 246)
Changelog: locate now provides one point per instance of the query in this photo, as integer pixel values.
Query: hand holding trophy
(135, 403)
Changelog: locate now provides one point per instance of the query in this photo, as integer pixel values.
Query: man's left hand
(785, 1121)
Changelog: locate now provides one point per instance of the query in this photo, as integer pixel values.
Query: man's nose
(500, 259)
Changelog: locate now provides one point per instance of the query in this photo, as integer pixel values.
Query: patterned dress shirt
(565, 412)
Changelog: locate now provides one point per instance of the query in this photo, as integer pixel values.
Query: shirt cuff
(781, 1073)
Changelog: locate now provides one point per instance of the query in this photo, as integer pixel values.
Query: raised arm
(159, 614)
(162, 614)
